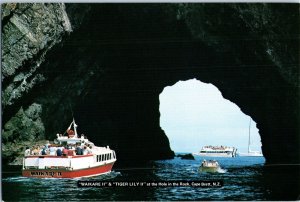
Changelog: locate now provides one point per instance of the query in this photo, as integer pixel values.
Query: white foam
(220, 170)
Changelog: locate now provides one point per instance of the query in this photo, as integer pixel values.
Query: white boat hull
(251, 154)
(208, 169)
(227, 155)
(66, 167)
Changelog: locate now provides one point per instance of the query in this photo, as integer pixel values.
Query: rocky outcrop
(29, 32)
(258, 57)
(110, 70)
(186, 156)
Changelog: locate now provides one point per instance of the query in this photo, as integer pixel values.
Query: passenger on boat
(89, 150)
(70, 146)
(52, 150)
(27, 151)
(85, 151)
(44, 152)
(65, 152)
(47, 144)
(40, 150)
(59, 151)
(70, 133)
(78, 150)
(71, 152)
(35, 151)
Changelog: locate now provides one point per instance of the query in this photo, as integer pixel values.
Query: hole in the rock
(195, 114)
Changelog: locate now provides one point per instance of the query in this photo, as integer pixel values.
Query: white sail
(250, 152)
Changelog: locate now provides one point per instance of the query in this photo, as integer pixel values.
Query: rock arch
(111, 69)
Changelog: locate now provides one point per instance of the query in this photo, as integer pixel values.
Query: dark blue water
(243, 179)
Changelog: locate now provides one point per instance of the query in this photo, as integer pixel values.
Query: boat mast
(75, 128)
(249, 136)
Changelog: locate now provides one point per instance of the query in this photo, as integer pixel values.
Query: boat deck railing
(52, 156)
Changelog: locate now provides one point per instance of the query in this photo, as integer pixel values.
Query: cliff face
(29, 31)
(108, 63)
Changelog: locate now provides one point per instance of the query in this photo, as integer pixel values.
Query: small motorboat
(209, 166)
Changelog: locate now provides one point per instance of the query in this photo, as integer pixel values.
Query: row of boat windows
(215, 152)
(105, 157)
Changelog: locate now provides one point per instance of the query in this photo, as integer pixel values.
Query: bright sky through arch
(194, 114)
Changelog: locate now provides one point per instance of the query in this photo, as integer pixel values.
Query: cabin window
(109, 156)
(114, 155)
(102, 157)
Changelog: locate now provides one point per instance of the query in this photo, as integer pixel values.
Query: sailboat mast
(249, 136)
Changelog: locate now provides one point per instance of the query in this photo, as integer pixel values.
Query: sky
(194, 114)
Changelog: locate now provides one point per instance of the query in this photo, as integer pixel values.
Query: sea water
(242, 177)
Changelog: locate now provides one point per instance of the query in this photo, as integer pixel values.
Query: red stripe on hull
(57, 173)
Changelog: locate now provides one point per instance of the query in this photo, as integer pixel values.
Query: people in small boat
(27, 151)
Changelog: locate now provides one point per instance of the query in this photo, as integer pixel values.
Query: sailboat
(250, 152)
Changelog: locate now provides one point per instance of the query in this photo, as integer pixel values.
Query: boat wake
(107, 176)
(111, 175)
(16, 179)
(220, 170)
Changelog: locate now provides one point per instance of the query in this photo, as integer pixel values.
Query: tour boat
(217, 151)
(98, 161)
(209, 166)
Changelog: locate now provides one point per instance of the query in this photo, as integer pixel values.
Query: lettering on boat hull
(45, 173)
(93, 171)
